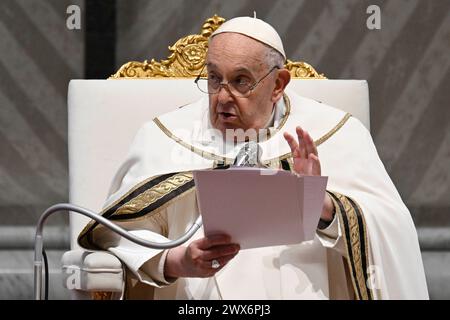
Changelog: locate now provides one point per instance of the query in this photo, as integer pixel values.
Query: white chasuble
(369, 251)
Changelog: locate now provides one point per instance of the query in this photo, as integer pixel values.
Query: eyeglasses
(237, 87)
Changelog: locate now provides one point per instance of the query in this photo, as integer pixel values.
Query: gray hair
(274, 58)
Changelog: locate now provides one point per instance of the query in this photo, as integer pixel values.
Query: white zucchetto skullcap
(254, 28)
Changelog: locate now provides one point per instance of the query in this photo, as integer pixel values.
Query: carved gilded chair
(104, 116)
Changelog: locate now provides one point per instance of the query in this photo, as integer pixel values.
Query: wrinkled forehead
(234, 50)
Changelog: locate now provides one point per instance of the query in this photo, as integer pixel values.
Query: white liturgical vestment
(369, 251)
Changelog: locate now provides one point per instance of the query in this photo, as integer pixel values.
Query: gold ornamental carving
(302, 70)
(188, 55)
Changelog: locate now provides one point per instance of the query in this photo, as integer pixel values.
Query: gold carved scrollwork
(302, 70)
(188, 56)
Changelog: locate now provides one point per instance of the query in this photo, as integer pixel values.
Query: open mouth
(227, 116)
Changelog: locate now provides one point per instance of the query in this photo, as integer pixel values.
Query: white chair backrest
(104, 116)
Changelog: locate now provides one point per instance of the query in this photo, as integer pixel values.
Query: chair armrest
(92, 271)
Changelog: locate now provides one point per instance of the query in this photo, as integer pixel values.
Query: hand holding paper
(257, 209)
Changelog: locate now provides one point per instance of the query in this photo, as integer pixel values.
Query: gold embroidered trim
(330, 133)
(209, 155)
(156, 215)
(291, 163)
(317, 142)
(354, 245)
(89, 225)
(367, 244)
(157, 212)
(154, 193)
(140, 184)
(341, 222)
(287, 103)
(178, 179)
(202, 153)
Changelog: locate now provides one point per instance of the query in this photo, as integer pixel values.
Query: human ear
(282, 80)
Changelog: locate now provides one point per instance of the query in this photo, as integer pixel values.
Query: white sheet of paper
(257, 208)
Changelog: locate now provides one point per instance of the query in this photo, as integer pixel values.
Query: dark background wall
(405, 62)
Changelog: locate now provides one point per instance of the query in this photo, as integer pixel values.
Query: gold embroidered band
(356, 241)
(145, 198)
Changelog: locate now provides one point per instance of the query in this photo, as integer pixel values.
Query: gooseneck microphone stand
(248, 156)
(65, 207)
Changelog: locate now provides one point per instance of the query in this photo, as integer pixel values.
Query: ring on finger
(215, 264)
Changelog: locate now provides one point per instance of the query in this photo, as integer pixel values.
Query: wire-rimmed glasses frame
(243, 93)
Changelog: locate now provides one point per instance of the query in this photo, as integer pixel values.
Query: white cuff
(152, 271)
(331, 236)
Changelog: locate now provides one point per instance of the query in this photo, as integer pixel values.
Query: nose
(224, 95)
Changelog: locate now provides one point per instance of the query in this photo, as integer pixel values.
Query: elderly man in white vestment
(366, 245)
